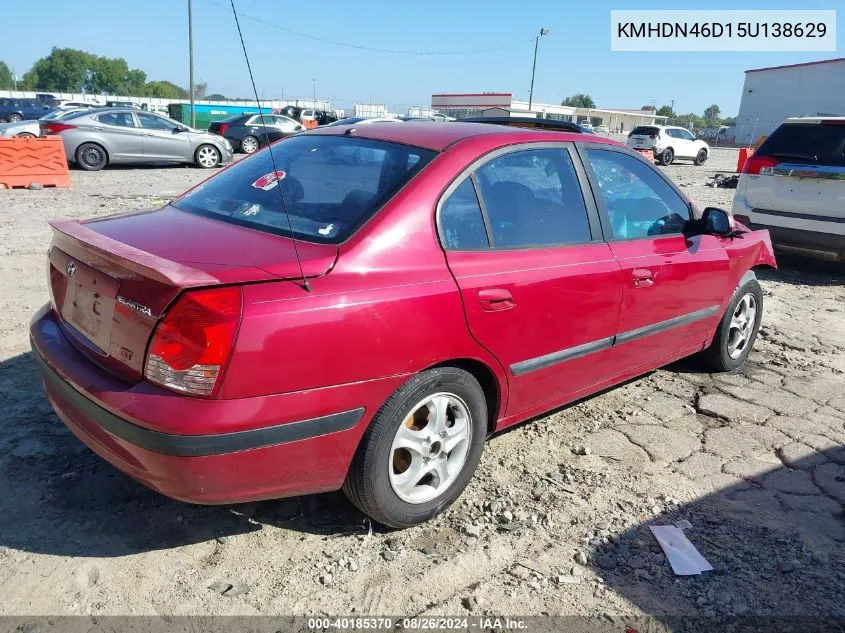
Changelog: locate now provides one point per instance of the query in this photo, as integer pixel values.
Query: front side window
(331, 185)
(687, 135)
(461, 220)
(533, 198)
(119, 119)
(639, 202)
(152, 122)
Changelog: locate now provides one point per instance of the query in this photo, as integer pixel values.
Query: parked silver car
(104, 136)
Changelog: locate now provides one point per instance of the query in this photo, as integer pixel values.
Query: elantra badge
(134, 306)
(70, 269)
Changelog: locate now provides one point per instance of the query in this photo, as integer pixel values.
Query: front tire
(738, 328)
(91, 157)
(207, 156)
(421, 448)
(700, 158)
(666, 157)
(13, 118)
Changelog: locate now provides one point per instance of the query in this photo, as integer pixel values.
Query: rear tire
(207, 156)
(249, 145)
(25, 135)
(375, 482)
(700, 158)
(738, 328)
(91, 157)
(666, 157)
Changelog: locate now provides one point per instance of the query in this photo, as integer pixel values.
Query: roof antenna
(305, 283)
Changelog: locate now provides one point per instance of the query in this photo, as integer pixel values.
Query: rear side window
(461, 220)
(120, 119)
(645, 130)
(331, 185)
(806, 143)
(533, 198)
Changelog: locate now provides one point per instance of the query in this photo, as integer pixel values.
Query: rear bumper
(286, 444)
(790, 237)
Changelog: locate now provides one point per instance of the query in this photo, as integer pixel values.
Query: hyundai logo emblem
(71, 268)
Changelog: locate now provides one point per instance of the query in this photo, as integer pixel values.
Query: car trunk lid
(112, 279)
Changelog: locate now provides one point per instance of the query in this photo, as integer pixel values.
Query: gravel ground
(555, 521)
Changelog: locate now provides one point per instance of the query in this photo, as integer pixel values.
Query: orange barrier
(33, 161)
(744, 153)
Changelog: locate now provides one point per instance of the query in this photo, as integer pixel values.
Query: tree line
(76, 71)
(711, 117)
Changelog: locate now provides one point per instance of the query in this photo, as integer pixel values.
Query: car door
(541, 289)
(120, 134)
(672, 285)
(162, 138)
(682, 145)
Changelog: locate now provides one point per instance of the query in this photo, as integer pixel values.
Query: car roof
(814, 119)
(439, 136)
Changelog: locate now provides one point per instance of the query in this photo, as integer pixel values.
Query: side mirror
(717, 221)
(181, 128)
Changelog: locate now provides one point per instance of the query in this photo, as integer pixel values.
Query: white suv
(668, 143)
(794, 185)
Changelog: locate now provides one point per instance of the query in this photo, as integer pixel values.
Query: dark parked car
(248, 132)
(468, 279)
(531, 123)
(291, 112)
(22, 109)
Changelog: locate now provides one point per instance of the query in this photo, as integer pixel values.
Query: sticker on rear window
(269, 181)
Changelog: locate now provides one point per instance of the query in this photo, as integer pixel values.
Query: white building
(772, 94)
(496, 104)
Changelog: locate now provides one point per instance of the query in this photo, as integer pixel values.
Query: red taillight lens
(191, 346)
(754, 163)
(55, 128)
(223, 128)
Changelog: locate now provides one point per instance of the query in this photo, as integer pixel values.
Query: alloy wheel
(249, 145)
(742, 325)
(207, 156)
(430, 448)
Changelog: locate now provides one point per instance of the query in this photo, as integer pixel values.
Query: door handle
(495, 299)
(148, 133)
(643, 277)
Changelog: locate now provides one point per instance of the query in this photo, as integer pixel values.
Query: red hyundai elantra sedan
(364, 306)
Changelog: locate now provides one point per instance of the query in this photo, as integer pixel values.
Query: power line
(370, 48)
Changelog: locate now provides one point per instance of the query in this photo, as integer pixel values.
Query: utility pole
(191, 62)
(543, 31)
(314, 92)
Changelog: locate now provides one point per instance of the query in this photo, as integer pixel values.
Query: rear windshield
(645, 130)
(806, 143)
(331, 186)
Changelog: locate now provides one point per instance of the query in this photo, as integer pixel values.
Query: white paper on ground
(682, 555)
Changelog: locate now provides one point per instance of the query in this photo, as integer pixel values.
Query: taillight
(223, 128)
(754, 164)
(193, 344)
(55, 128)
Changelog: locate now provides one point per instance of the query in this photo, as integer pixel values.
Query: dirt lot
(555, 521)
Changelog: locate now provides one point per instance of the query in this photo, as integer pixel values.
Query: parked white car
(601, 129)
(668, 143)
(794, 185)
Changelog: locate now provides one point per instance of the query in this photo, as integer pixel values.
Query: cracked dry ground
(555, 520)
